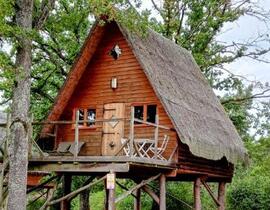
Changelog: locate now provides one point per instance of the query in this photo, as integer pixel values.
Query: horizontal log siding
(189, 163)
(93, 91)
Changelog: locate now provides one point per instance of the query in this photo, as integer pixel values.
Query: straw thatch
(191, 104)
(196, 112)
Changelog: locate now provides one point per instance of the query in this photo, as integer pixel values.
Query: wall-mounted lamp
(114, 83)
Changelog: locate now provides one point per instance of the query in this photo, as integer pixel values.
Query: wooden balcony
(131, 153)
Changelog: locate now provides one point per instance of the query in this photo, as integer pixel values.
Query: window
(138, 113)
(146, 112)
(151, 113)
(91, 116)
(86, 115)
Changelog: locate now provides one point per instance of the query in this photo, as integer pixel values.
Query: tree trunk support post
(137, 200)
(197, 194)
(221, 195)
(162, 192)
(65, 204)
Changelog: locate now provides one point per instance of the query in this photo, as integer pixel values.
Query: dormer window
(116, 52)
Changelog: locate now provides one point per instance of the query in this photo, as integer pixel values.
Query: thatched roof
(189, 101)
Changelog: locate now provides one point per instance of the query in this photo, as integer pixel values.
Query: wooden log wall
(188, 163)
(93, 91)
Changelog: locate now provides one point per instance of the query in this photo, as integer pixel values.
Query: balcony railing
(147, 147)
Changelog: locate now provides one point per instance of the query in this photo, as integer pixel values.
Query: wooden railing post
(131, 132)
(76, 141)
(156, 137)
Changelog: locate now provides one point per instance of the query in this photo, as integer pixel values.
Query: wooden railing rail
(132, 120)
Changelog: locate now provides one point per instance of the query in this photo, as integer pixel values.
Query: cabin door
(112, 130)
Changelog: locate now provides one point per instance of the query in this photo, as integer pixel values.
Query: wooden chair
(161, 149)
(126, 148)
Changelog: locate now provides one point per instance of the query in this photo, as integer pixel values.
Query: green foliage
(250, 187)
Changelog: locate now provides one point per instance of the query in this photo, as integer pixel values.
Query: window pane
(151, 113)
(91, 115)
(81, 116)
(138, 113)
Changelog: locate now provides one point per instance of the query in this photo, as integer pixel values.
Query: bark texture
(18, 140)
(84, 200)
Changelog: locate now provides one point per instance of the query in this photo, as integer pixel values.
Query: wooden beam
(76, 140)
(144, 182)
(131, 131)
(110, 159)
(162, 192)
(80, 167)
(153, 124)
(122, 147)
(221, 195)
(41, 185)
(67, 179)
(197, 194)
(76, 192)
(207, 187)
(150, 192)
(156, 137)
(123, 187)
(111, 198)
(137, 200)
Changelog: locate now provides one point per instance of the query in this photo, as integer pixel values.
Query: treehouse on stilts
(138, 108)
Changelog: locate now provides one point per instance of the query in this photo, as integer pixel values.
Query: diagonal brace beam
(207, 187)
(143, 183)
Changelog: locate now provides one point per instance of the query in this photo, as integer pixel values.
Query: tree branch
(240, 100)
(46, 7)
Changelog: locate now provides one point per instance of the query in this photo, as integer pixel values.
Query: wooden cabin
(133, 104)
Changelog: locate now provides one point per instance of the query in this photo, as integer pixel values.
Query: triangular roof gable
(189, 101)
(87, 51)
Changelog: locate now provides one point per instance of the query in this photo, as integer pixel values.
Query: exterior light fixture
(114, 83)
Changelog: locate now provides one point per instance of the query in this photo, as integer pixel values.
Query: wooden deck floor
(99, 164)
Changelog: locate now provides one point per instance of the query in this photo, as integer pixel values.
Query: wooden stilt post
(197, 194)
(111, 187)
(106, 196)
(65, 204)
(162, 191)
(137, 200)
(221, 195)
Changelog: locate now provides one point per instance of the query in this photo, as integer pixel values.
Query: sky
(240, 31)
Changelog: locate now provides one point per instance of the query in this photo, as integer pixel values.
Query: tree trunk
(84, 200)
(18, 140)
